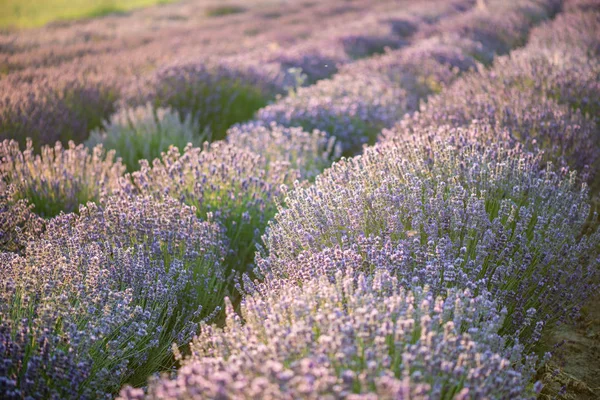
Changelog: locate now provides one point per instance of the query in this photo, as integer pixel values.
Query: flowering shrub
(354, 109)
(566, 76)
(420, 71)
(214, 96)
(538, 122)
(308, 153)
(58, 179)
(572, 30)
(476, 216)
(143, 133)
(235, 186)
(112, 288)
(18, 222)
(556, 66)
(36, 359)
(354, 338)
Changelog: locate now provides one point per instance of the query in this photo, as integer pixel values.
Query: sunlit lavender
(451, 215)
(144, 133)
(336, 199)
(59, 178)
(357, 337)
(111, 288)
(235, 186)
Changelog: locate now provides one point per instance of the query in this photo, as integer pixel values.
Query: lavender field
(297, 199)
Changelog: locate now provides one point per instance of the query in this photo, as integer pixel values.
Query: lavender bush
(59, 179)
(418, 70)
(112, 287)
(574, 30)
(476, 216)
(307, 153)
(214, 96)
(353, 338)
(567, 76)
(143, 133)
(354, 109)
(538, 122)
(38, 361)
(235, 186)
(18, 223)
(555, 66)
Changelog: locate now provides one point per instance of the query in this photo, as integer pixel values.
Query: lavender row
(356, 337)
(58, 179)
(218, 96)
(229, 184)
(545, 95)
(68, 100)
(175, 29)
(99, 299)
(456, 214)
(322, 57)
(355, 106)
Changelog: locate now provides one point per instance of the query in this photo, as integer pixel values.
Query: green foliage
(224, 10)
(34, 13)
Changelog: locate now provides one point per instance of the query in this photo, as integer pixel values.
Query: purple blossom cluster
(357, 337)
(456, 214)
(354, 109)
(567, 76)
(99, 299)
(233, 185)
(309, 153)
(420, 70)
(18, 223)
(35, 362)
(573, 30)
(144, 133)
(58, 179)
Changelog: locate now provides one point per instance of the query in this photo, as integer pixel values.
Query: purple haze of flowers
(59, 179)
(354, 109)
(451, 214)
(307, 152)
(544, 95)
(356, 337)
(112, 288)
(236, 186)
